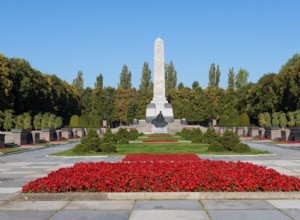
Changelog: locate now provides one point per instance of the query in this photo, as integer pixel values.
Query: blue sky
(63, 36)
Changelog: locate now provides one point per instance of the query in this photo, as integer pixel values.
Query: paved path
(19, 169)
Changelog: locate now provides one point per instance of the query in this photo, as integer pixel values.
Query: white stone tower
(159, 101)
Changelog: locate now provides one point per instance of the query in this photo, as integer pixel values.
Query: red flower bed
(161, 157)
(205, 175)
(160, 141)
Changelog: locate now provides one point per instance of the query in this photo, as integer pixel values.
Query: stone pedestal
(159, 130)
(285, 134)
(67, 133)
(59, 134)
(79, 132)
(253, 131)
(294, 134)
(2, 139)
(239, 131)
(36, 137)
(22, 136)
(272, 133)
(48, 134)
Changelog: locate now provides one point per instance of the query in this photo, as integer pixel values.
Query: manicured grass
(13, 149)
(165, 148)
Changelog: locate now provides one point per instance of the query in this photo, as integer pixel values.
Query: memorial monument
(159, 104)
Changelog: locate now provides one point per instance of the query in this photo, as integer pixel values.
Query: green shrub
(109, 137)
(121, 134)
(224, 120)
(244, 119)
(123, 141)
(242, 148)
(210, 136)
(133, 134)
(215, 146)
(197, 139)
(229, 141)
(108, 147)
(84, 121)
(74, 121)
(81, 148)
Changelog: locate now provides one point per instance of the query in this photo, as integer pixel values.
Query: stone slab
(236, 204)
(91, 215)
(100, 205)
(161, 196)
(168, 214)
(5, 196)
(33, 205)
(26, 215)
(15, 183)
(247, 215)
(293, 213)
(285, 204)
(10, 189)
(168, 204)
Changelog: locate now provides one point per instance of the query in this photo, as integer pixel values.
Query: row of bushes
(25, 121)
(234, 119)
(92, 142)
(281, 119)
(217, 143)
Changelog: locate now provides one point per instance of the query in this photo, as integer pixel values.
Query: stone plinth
(21, 136)
(261, 133)
(36, 137)
(78, 132)
(159, 130)
(2, 139)
(240, 131)
(272, 133)
(48, 134)
(294, 134)
(253, 131)
(67, 133)
(285, 133)
(59, 134)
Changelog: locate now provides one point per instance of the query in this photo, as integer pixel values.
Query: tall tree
(96, 113)
(171, 77)
(5, 83)
(212, 75)
(146, 79)
(78, 82)
(144, 93)
(241, 78)
(125, 78)
(231, 77)
(195, 85)
(218, 74)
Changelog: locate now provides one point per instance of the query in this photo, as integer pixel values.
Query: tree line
(24, 89)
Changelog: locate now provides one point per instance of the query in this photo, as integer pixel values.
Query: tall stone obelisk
(159, 101)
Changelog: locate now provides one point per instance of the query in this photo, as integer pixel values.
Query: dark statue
(159, 121)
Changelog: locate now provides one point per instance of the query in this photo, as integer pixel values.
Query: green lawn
(157, 148)
(6, 150)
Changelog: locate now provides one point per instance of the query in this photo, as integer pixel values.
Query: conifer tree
(231, 79)
(171, 77)
(125, 78)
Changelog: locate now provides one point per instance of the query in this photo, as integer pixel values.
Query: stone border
(155, 196)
